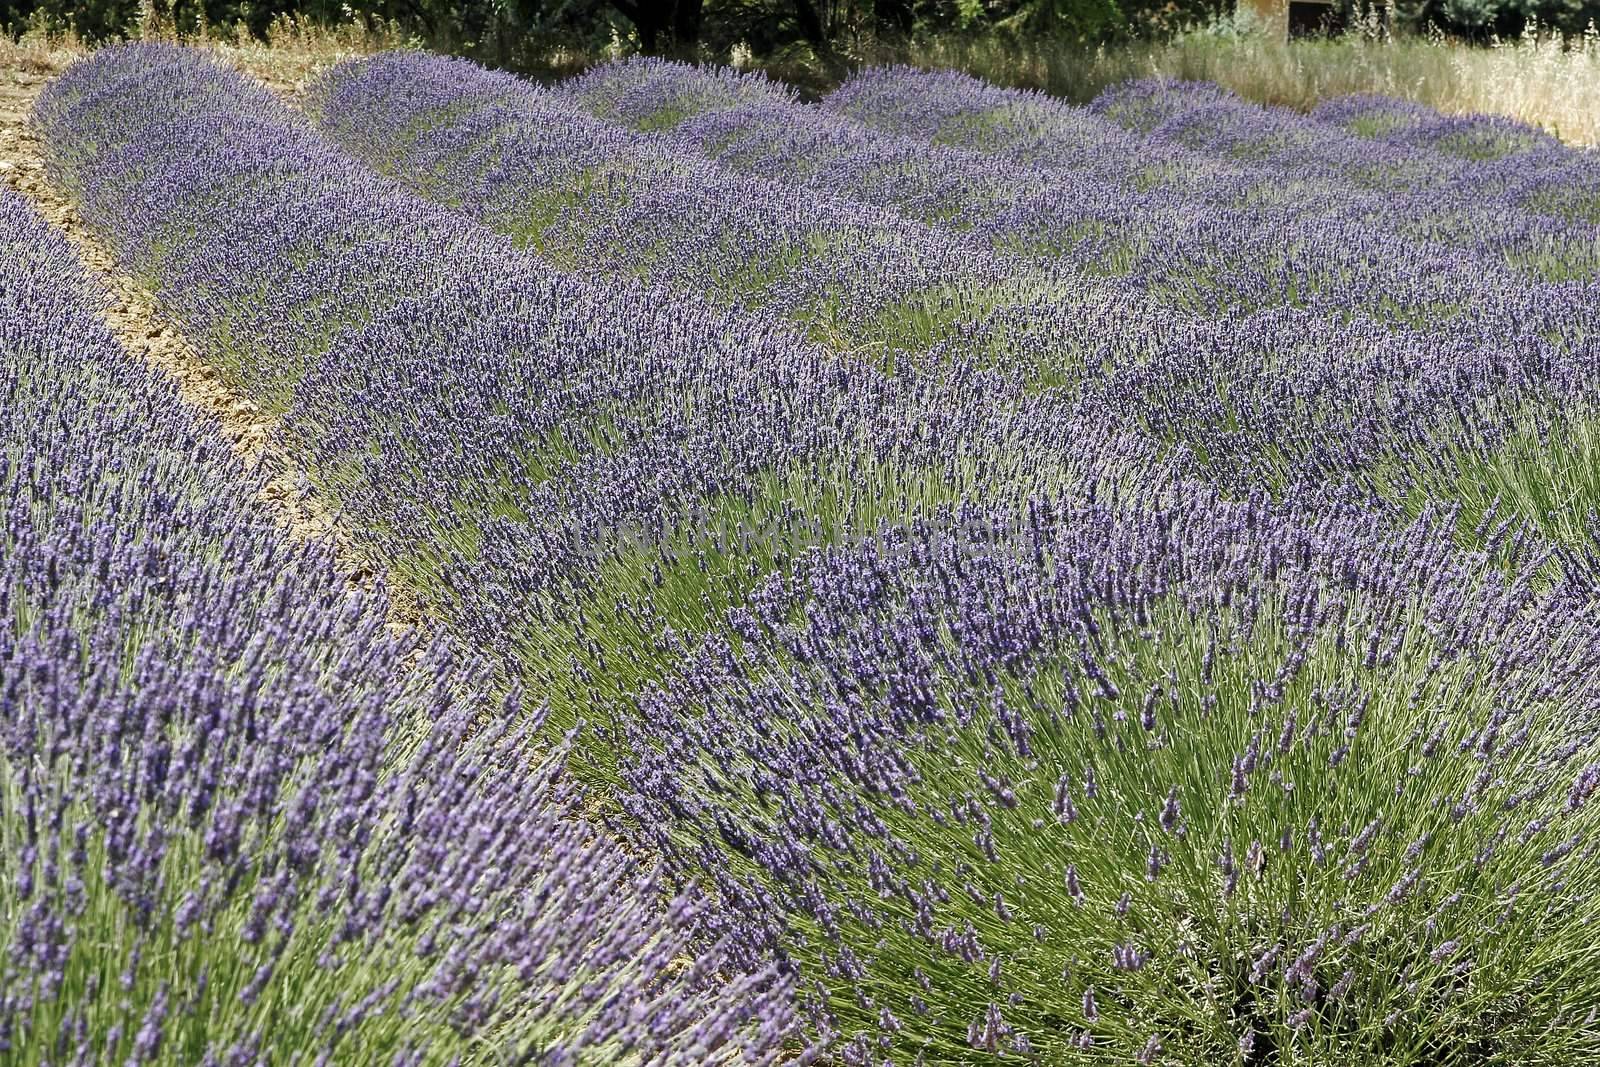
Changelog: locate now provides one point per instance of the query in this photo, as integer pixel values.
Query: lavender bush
(593, 197)
(1401, 122)
(1079, 585)
(506, 152)
(805, 758)
(572, 472)
(1492, 408)
(1261, 167)
(238, 829)
(499, 148)
(646, 93)
(1191, 782)
(255, 234)
(1395, 422)
(1513, 165)
(1275, 399)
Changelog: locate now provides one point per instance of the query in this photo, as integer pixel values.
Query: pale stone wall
(1275, 13)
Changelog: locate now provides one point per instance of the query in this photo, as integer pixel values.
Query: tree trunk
(647, 19)
(810, 25)
(894, 17)
(686, 23)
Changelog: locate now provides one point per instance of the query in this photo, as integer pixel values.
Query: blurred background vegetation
(800, 33)
(1533, 60)
(499, 28)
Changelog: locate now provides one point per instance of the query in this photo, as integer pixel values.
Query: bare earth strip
(142, 329)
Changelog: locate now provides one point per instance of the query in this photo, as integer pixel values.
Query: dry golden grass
(292, 52)
(295, 51)
(38, 53)
(1540, 78)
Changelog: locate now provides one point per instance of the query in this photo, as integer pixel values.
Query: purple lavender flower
(240, 800)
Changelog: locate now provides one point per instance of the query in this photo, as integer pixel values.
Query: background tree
(524, 33)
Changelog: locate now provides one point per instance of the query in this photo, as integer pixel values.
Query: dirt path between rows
(143, 330)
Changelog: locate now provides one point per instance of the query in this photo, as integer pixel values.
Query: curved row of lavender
(1039, 174)
(1523, 167)
(503, 142)
(1494, 416)
(530, 162)
(1499, 189)
(1406, 123)
(602, 198)
(238, 828)
(1409, 148)
(507, 151)
(572, 471)
(1275, 400)
(1406, 152)
(260, 240)
(1361, 141)
(594, 197)
(1190, 782)
(1021, 778)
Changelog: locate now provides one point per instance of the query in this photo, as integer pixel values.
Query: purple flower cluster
(594, 197)
(568, 469)
(1080, 585)
(1188, 777)
(239, 829)
(1199, 221)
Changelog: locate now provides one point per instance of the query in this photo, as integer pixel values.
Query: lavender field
(934, 575)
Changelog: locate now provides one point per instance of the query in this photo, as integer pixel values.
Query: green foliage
(94, 20)
(522, 33)
(1265, 836)
(1482, 19)
(526, 34)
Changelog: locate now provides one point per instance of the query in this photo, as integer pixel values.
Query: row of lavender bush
(1274, 400)
(594, 197)
(569, 469)
(1491, 406)
(1036, 174)
(1473, 409)
(1178, 781)
(1407, 182)
(991, 726)
(1201, 225)
(237, 829)
(532, 163)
